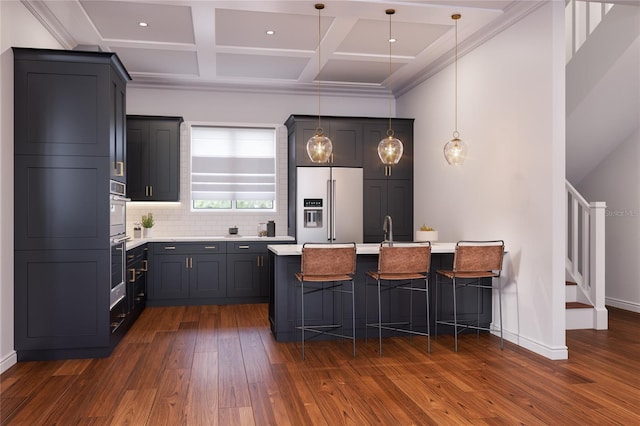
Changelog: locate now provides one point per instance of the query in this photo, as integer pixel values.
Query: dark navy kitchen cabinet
(137, 267)
(188, 273)
(344, 132)
(393, 197)
(68, 143)
(248, 270)
(212, 272)
(153, 152)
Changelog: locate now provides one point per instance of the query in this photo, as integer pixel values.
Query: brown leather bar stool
(398, 267)
(328, 268)
(473, 263)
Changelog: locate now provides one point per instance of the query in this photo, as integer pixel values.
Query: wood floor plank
(202, 405)
(220, 365)
(134, 407)
(169, 405)
(207, 335)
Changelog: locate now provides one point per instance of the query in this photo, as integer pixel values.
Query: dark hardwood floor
(219, 365)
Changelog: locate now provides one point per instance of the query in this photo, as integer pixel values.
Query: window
(233, 168)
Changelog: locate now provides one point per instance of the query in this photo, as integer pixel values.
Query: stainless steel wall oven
(118, 237)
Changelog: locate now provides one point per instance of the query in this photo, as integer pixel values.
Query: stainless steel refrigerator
(329, 205)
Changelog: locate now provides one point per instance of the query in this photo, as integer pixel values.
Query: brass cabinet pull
(133, 275)
(145, 265)
(186, 262)
(191, 263)
(169, 247)
(210, 247)
(150, 190)
(243, 247)
(119, 168)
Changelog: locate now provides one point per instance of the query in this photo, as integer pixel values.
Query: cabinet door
(61, 108)
(373, 134)
(164, 160)
(61, 299)
(375, 209)
(346, 135)
(244, 275)
(207, 275)
(400, 208)
(137, 155)
(117, 133)
(58, 202)
(170, 277)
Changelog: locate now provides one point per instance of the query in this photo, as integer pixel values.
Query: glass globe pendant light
(455, 151)
(319, 146)
(390, 149)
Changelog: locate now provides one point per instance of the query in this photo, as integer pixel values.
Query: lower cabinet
(248, 270)
(216, 272)
(187, 271)
(137, 267)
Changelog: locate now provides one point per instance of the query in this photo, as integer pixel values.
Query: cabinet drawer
(190, 248)
(247, 247)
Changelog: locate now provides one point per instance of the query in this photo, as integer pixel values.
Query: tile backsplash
(177, 219)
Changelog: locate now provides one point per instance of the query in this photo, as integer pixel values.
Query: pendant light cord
(390, 130)
(455, 132)
(319, 7)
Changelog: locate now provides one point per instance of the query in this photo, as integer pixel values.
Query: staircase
(585, 263)
(585, 256)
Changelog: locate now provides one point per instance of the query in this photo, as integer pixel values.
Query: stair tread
(577, 305)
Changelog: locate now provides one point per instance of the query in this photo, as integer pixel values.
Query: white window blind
(234, 166)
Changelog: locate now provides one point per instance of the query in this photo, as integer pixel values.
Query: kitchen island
(324, 307)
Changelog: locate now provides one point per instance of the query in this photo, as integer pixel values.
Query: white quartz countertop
(367, 248)
(133, 243)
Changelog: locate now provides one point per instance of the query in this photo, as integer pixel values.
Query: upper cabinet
(345, 134)
(70, 103)
(153, 153)
(374, 132)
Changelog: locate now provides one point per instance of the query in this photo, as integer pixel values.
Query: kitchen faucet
(387, 228)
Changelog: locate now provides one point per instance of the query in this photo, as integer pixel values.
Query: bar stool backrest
(327, 260)
(404, 259)
(477, 256)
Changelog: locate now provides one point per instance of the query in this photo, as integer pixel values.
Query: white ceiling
(224, 43)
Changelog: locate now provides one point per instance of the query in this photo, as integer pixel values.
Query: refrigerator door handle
(329, 209)
(333, 210)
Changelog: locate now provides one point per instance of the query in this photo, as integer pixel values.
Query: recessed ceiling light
(270, 32)
(143, 24)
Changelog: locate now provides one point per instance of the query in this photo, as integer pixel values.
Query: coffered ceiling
(225, 43)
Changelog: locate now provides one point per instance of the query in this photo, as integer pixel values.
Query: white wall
(511, 114)
(20, 29)
(238, 107)
(617, 180)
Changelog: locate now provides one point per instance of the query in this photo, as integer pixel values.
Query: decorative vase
(427, 236)
(147, 232)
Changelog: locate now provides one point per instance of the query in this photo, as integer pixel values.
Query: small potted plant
(147, 224)
(426, 233)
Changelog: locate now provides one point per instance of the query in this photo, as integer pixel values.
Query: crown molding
(42, 13)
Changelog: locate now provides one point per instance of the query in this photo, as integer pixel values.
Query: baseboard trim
(8, 361)
(622, 304)
(551, 353)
